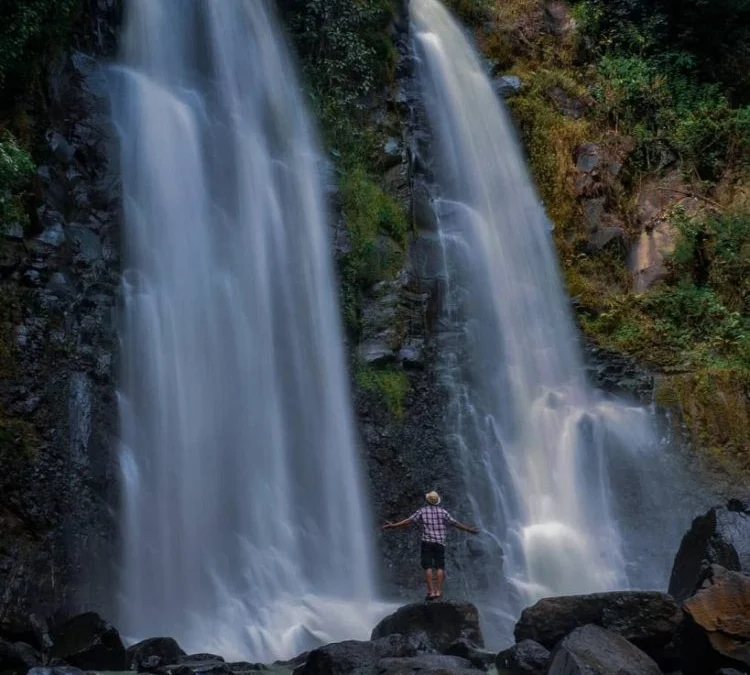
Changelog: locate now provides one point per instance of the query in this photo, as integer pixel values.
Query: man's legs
(439, 583)
(430, 586)
(440, 565)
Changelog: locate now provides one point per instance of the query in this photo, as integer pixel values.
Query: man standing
(433, 520)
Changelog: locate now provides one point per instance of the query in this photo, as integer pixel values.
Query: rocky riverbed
(702, 628)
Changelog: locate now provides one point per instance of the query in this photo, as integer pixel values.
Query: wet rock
(205, 664)
(55, 670)
(506, 85)
(427, 664)
(439, 624)
(240, 667)
(591, 650)
(54, 235)
(200, 657)
(728, 671)
(479, 658)
(411, 353)
(17, 658)
(90, 643)
(392, 153)
(717, 629)
(165, 649)
(650, 620)
(526, 657)
(60, 147)
(721, 536)
(354, 657)
(375, 353)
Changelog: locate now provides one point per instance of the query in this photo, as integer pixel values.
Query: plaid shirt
(433, 520)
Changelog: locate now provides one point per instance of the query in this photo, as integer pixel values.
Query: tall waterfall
(244, 522)
(540, 449)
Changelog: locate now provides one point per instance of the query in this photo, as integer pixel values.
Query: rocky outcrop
(591, 650)
(649, 620)
(719, 537)
(717, 631)
(58, 283)
(437, 624)
(90, 643)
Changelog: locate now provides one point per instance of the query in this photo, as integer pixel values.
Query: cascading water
(538, 446)
(244, 522)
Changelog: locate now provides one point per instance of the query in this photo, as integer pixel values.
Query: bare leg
(428, 579)
(440, 582)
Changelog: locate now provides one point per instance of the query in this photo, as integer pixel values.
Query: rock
(568, 105)
(588, 157)
(439, 624)
(411, 353)
(60, 147)
(56, 670)
(427, 664)
(524, 658)
(90, 643)
(607, 237)
(649, 253)
(557, 17)
(479, 658)
(506, 85)
(721, 536)
(648, 619)
(591, 650)
(375, 353)
(165, 649)
(17, 657)
(354, 657)
(189, 658)
(728, 671)
(717, 630)
(53, 235)
(392, 153)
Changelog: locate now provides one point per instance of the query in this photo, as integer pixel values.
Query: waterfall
(541, 451)
(244, 522)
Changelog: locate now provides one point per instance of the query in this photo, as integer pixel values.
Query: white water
(245, 528)
(541, 450)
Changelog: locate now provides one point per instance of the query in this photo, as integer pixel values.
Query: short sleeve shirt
(434, 521)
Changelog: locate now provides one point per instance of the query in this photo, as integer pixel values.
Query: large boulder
(717, 630)
(154, 652)
(523, 658)
(719, 537)
(479, 658)
(438, 624)
(88, 642)
(591, 650)
(648, 619)
(355, 657)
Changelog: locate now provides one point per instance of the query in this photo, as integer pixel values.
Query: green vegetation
(30, 30)
(16, 168)
(391, 385)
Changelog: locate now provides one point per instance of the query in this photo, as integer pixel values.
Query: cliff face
(59, 280)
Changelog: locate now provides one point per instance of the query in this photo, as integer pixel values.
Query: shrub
(16, 168)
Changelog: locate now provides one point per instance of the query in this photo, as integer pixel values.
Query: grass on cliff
(390, 385)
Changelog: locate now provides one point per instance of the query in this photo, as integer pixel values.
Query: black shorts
(433, 556)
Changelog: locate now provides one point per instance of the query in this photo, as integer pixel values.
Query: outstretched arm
(400, 523)
(465, 528)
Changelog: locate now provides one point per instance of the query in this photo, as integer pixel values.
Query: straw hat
(432, 498)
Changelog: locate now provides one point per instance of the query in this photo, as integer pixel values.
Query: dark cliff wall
(58, 289)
